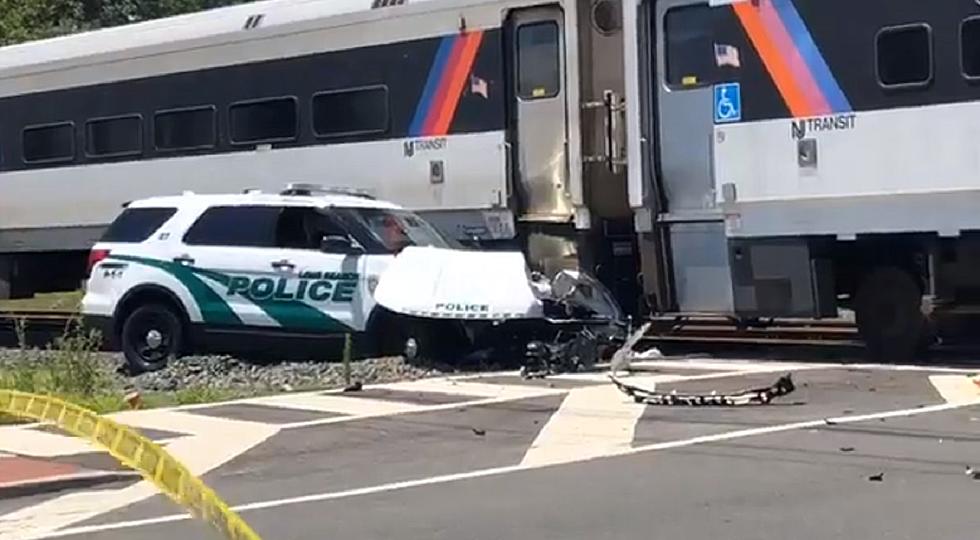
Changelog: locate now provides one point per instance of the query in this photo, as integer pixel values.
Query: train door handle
(283, 265)
(185, 260)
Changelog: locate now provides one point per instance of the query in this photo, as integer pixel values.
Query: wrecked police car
(257, 272)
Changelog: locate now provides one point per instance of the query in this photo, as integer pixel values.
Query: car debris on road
(756, 396)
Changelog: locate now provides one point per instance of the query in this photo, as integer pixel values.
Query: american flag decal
(727, 55)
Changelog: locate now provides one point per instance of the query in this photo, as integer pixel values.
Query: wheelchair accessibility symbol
(728, 103)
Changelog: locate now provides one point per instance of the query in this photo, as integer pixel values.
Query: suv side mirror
(339, 244)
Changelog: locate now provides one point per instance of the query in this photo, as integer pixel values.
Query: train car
(496, 119)
(795, 157)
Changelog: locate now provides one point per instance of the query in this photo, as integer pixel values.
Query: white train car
(489, 116)
(790, 158)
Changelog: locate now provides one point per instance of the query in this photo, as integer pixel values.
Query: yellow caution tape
(136, 452)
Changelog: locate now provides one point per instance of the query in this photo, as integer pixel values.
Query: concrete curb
(49, 484)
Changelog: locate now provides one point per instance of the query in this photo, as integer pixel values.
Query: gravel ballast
(222, 372)
(214, 372)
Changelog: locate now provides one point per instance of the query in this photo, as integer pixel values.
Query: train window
(690, 49)
(350, 112)
(970, 47)
(185, 129)
(49, 143)
(263, 121)
(117, 136)
(235, 226)
(538, 60)
(904, 56)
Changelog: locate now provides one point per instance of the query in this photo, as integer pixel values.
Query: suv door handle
(184, 259)
(283, 265)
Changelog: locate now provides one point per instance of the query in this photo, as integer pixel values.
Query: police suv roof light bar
(309, 190)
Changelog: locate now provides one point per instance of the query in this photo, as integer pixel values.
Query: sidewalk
(23, 476)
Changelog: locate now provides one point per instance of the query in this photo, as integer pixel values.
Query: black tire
(152, 336)
(889, 315)
(422, 340)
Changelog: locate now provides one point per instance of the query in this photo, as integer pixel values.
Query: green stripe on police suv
(328, 288)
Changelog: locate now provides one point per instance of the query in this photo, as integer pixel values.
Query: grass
(60, 301)
(70, 369)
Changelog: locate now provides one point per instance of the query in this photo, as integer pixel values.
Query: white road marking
(766, 365)
(211, 442)
(444, 479)
(591, 422)
(467, 388)
(747, 366)
(956, 388)
(420, 409)
(31, 442)
(338, 404)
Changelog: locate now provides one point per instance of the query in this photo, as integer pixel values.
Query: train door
(678, 92)
(539, 123)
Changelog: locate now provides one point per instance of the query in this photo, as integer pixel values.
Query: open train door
(681, 227)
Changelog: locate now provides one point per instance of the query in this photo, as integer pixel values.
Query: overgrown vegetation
(67, 368)
(25, 20)
(72, 368)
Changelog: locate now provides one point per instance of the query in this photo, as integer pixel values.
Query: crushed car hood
(453, 284)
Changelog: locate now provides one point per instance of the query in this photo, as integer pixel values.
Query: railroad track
(721, 330)
(36, 328)
(41, 327)
(689, 329)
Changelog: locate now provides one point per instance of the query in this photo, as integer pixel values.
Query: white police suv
(244, 271)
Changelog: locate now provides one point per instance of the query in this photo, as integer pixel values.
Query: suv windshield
(394, 229)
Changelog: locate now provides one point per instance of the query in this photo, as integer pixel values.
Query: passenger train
(752, 158)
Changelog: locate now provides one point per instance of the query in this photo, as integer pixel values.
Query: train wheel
(889, 315)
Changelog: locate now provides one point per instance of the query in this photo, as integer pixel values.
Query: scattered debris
(847, 449)
(876, 477)
(133, 398)
(759, 396)
(569, 352)
(589, 324)
(356, 387)
(479, 432)
(625, 355)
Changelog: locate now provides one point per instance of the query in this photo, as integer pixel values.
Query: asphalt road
(582, 462)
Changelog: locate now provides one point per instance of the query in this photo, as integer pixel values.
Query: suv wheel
(151, 337)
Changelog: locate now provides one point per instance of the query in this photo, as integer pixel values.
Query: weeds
(69, 366)
(72, 368)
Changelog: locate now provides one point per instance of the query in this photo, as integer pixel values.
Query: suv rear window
(135, 225)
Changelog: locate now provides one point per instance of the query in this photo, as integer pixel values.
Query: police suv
(244, 271)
